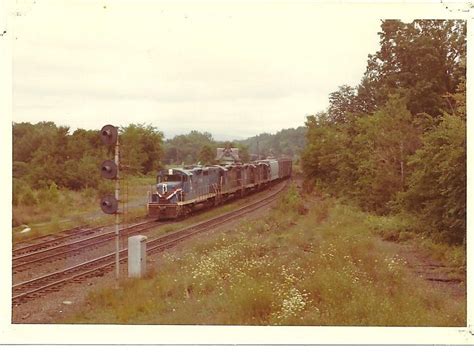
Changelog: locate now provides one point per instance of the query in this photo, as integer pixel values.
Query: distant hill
(288, 142)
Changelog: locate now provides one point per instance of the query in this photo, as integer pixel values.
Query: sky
(233, 69)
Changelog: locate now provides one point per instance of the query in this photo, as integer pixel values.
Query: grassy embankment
(325, 265)
(66, 208)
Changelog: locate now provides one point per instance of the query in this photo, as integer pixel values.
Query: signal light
(109, 204)
(109, 134)
(108, 169)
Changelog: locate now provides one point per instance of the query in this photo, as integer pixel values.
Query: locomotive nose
(164, 188)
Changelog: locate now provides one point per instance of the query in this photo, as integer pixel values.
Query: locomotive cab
(171, 188)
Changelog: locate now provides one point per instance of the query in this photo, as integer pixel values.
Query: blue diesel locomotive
(180, 190)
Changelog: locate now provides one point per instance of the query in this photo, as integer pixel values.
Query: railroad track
(32, 255)
(53, 239)
(27, 290)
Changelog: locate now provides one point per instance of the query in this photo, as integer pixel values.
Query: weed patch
(326, 267)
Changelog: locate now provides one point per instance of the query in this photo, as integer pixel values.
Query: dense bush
(437, 187)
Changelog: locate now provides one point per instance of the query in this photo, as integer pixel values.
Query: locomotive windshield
(167, 178)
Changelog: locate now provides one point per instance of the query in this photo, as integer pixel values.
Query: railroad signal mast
(110, 170)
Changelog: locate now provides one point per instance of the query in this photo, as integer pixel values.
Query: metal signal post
(117, 216)
(110, 170)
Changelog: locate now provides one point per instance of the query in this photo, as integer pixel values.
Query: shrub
(437, 188)
(292, 201)
(49, 195)
(27, 196)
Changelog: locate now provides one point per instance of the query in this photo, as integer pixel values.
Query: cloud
(246, 68)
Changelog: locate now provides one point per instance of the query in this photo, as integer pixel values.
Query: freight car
(180, 190)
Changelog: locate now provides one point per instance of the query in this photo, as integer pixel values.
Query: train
(180, 190)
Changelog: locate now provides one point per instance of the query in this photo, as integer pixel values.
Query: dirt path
(445, 278)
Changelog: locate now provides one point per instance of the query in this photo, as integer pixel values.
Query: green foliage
(23, 194)
(244, 154)
(141, 148)
(51, 194)
(186, 148)
(342, 104)
(382, 143)
(292, 201)
(196, 147)
(199, 147)
(47, 158)
(323, 158)
(397, 141)
(287, 142)
(437, 188)
(206, 155)
(424, 57)
(80, 174)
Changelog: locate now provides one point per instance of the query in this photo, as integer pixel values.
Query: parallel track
(34, 288)
(41, 253)
(53, 239)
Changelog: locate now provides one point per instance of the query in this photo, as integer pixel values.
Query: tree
(207, 155)
(342, 103)
(289, 142)
(399, 138)
(186, 147)
(322, 156)
(43, 150)
(141, 148)
(382, 146)
(437, 188)
(423, 57)
(244, 154)
(367, 96)
(365, 158)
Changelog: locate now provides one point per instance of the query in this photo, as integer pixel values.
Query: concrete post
(137, 256)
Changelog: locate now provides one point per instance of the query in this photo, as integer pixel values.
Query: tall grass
(53, 209)
(312, 262)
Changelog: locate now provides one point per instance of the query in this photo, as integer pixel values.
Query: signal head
(109, 204)
(108, 169)
(109, 134)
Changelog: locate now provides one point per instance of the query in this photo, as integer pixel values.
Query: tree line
(287, 142)
(198, 147)
(397, 141)
(202, 147)
(48, 157)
